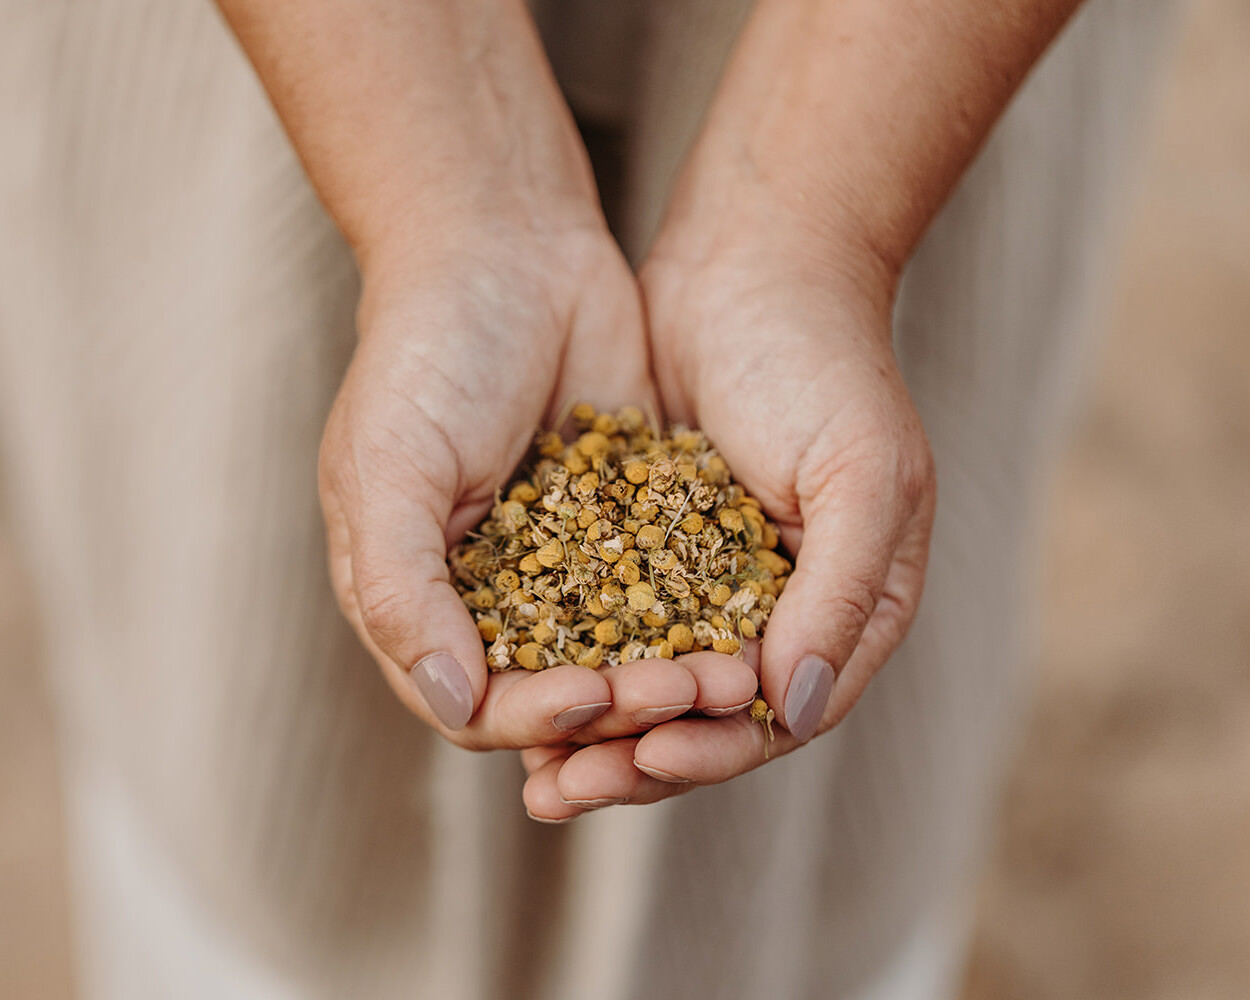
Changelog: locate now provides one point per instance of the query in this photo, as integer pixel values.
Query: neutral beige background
(1122, 864)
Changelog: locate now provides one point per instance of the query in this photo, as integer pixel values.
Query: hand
(461, 355)
(782, 355)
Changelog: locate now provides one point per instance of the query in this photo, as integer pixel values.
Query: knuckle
(851, 608)
(917, 474)
(383, 612)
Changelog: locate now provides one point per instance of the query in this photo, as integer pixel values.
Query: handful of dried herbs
(623, 544)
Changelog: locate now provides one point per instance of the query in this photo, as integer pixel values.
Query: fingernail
(574, 718)
(716, 713)
(549, 822)
(807, 696)
(651, 716)
(445, 687)
(593, 803)
(655, 772)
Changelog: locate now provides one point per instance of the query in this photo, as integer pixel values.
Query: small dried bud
(530, 565)
(631, 419)
(483, 597)
(506, 581)
(772, 562)
(611, 596)
(523, 492)
(543, 633)
(606, 423)
(640, 596)
(662, 475)
(636, 472)
(576, 461)
(549, 444)
(591, 657)
(681, 637)
(649, 536)
(587, 486)
(593, 445)
(761, 713)
(663, 559)
(608, 632)
(634, 650)
(551, 554)
(530, 656)
(513, 514)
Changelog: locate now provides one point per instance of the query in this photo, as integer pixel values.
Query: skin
(493, 294)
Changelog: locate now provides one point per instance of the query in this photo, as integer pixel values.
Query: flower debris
(623, 544)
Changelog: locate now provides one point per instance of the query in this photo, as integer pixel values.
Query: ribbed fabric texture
(251, 813)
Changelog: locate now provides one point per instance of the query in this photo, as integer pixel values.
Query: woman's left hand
(785, 361)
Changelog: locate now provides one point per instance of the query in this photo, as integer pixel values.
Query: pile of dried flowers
(626, 543)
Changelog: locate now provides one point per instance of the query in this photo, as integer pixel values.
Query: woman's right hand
(437, 138)
(463, 352)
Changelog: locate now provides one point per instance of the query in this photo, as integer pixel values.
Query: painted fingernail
(652, 716)
(549, 822)
(655, 772)
(717, 713)
(445, 687)
(574, 718)
(593, 803)
(807, 696)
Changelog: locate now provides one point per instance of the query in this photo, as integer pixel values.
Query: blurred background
(1120, 866)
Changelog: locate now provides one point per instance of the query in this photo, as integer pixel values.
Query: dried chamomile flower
(764, 715)
(626, 543)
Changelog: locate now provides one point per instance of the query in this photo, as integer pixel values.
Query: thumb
(853, 593)
(388, 562)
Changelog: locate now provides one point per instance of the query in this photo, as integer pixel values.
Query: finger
(604, 775)
(518, 709)
(542, 797)
(403, 603)
(643, 693)
(708, 751)
(727, 684)
(523, 709)
(851, 528)
(648, 692)
(890, 621)
(721, 749)
(532, 758)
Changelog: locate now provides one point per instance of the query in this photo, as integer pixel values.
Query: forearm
(411, 116)
(856, 117)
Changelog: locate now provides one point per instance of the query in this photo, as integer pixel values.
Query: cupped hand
(780, 351)
(463, 352)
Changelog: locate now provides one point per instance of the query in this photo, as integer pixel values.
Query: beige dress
(251, 815)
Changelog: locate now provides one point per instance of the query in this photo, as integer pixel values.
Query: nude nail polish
(444, 685)
(807, 696)
(575, 718)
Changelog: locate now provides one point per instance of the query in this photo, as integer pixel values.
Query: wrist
(727, 236)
